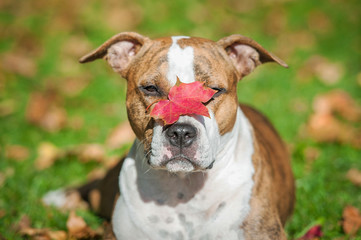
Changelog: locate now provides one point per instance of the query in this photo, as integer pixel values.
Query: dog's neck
(199, 194)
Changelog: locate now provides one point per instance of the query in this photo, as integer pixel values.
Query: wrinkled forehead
(188, 58)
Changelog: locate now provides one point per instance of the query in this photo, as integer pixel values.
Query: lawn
(41, 41)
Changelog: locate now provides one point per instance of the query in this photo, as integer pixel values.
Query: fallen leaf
(120, 135)
(2, 213)
(288, 42)
(340, 102)
(44, 110)
(319, 22)
(16, 152)
(90, 152)
(72, 86)
(47, 155)
(313, 233)
(55, 119)
(23, 223)
(123, 17)
(108, 231)
(18, 63)
(97, 173)
(324, 128)
(185, 99)
(354, 176)
(310, 155)
(326, 71)
(57, 235)
(351, 220)
(78, 228)
(276, 21)
(76, 46)
(330, 122)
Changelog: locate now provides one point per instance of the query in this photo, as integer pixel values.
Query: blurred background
(62, 123)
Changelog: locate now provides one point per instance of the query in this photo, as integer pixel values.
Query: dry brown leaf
(16, 152)
(47, 155)
(58, 235)
(23, 223)
(124, 17)
(96, 174)
(351, 220)
(340, 102)
(55, 119)
(324, 126)
(328, 72)
(45, 111)
(25, 229)
(319, 22)
(74, 201)
(120, 135)
(311, 153)
(76, 46)
(287, 43)
(108, 231)
(276, 21)
(354, 176)
(19, 64)
(72, 86)
(78, 228)
(90, 152)
(2, 213)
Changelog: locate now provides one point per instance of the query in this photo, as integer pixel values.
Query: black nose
(181, 135)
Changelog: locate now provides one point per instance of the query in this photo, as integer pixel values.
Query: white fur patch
(180, 62)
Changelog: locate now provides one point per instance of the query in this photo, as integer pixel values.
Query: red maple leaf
(313, 233)
(185, 99)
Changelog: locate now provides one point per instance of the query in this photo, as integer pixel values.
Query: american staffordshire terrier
(223, 177)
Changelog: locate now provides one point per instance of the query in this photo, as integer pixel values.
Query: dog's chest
(210, 209)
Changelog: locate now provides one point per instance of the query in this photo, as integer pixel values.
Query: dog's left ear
(246, 54)
(118, 51)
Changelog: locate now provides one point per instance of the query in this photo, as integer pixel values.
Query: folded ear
(118, 51)
(246, 54)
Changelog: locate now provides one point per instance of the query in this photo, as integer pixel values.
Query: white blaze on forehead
(180, 63)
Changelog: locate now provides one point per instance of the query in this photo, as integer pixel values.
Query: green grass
(42, 30)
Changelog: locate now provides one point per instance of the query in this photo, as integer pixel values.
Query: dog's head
(151, 68)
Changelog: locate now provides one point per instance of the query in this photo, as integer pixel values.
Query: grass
(42, 31)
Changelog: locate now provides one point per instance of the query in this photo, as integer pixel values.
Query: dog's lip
(179, 157)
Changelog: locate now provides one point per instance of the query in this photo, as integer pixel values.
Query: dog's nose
(181, 135)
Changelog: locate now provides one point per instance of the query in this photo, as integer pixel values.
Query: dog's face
(151, 68)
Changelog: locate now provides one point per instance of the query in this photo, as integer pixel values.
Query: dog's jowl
(226, 176)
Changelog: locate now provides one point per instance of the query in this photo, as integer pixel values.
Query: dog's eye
(151, 90)
(219, 91)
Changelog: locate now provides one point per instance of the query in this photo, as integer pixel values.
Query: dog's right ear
(119, 51)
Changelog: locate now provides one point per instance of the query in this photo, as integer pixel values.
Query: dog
(223, 177)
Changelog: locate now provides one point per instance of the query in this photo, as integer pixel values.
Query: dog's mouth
(180, 163)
